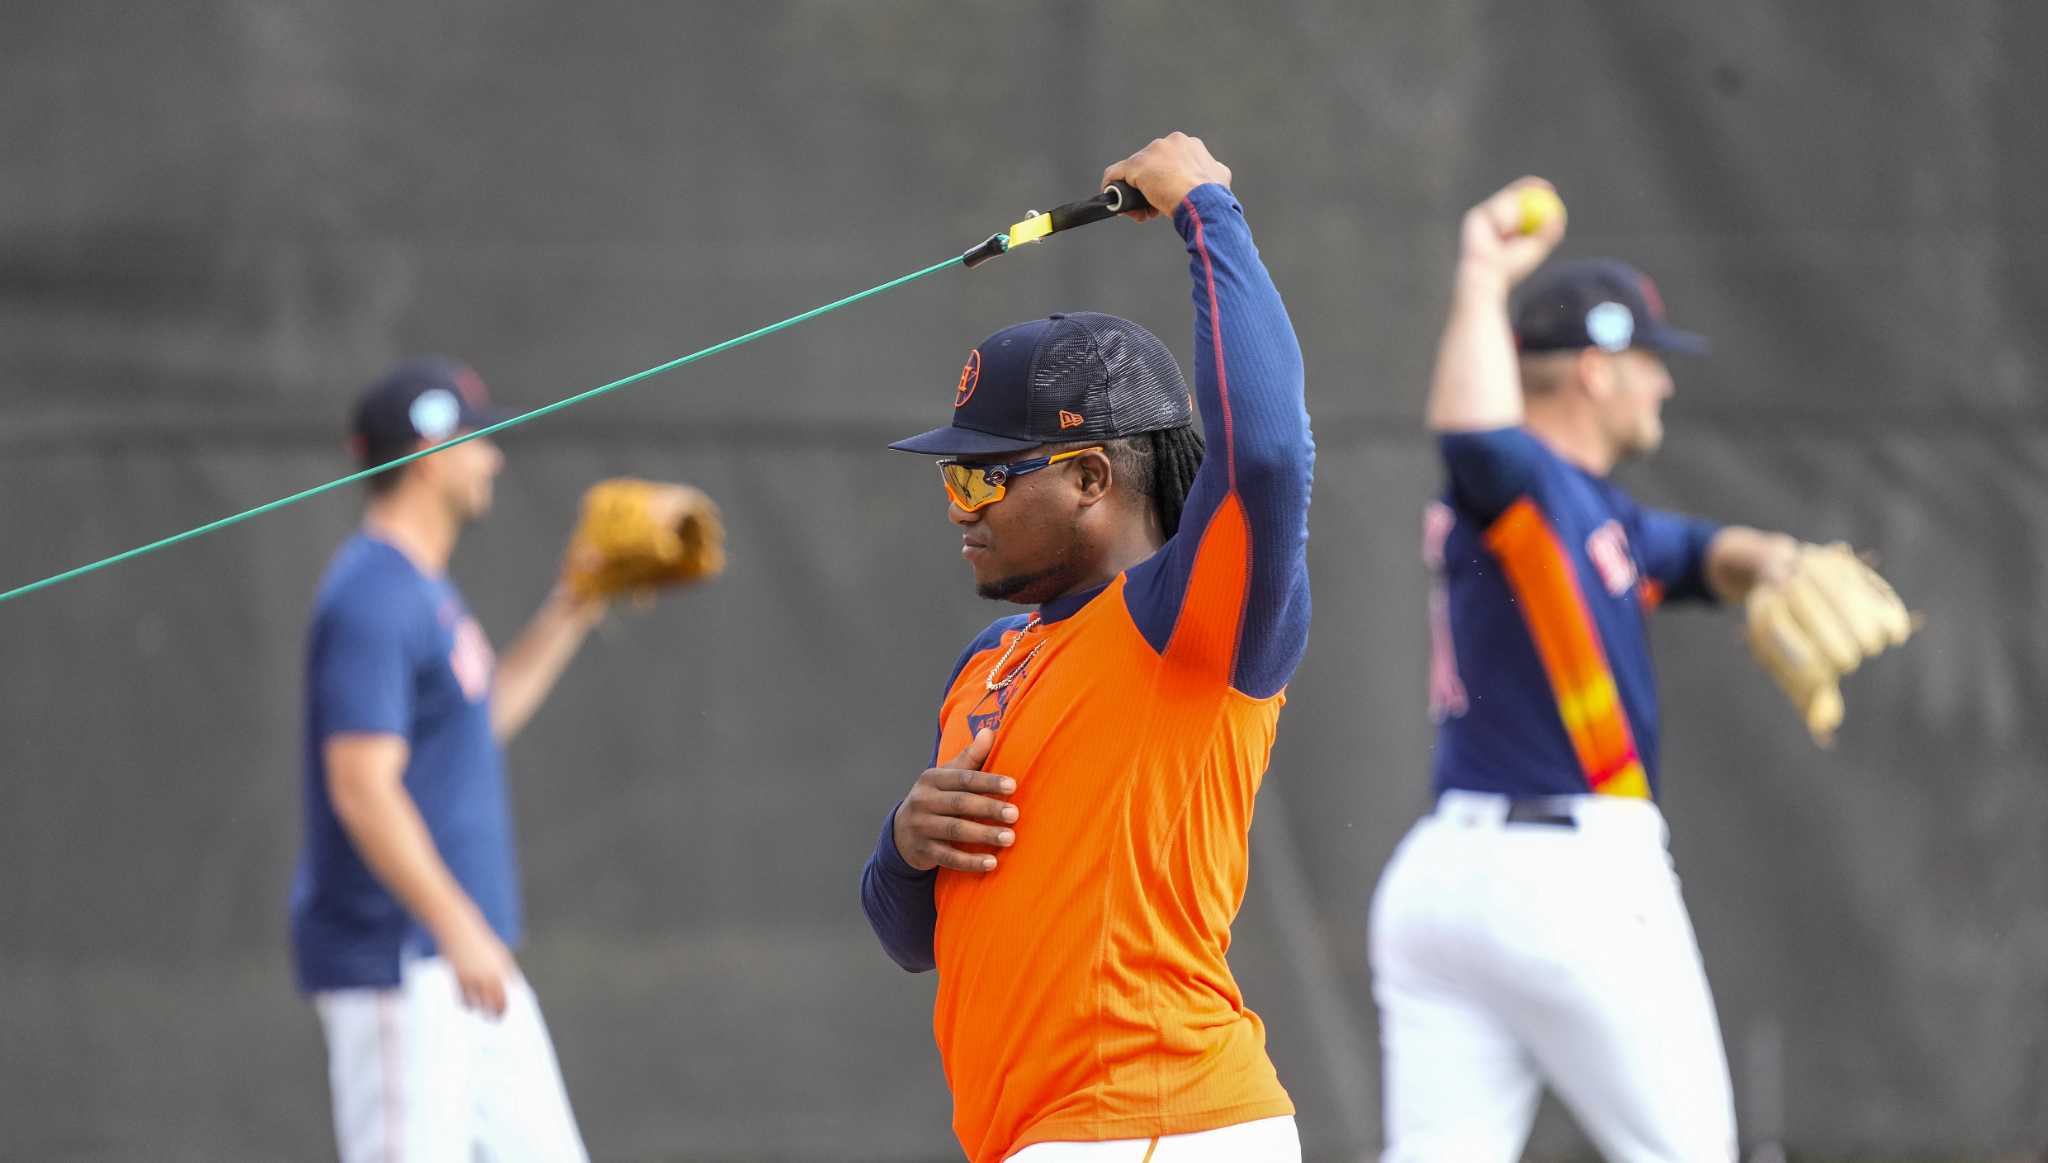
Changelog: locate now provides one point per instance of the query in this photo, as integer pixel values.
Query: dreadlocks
(1162, 465)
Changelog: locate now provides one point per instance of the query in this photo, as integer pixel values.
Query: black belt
(1542, 811)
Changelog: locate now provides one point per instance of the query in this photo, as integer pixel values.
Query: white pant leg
(417, 1076)
(524, 1111)
(1576, 942)
(365, 1075)
(1273, 1140)
(1457, 1085)
(1629, 1040)
(398, 1066)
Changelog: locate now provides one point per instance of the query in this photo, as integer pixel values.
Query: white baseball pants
(1507, 956)
(1259, 1141)
(419, 1078)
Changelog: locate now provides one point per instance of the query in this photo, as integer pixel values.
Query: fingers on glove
(1819, 624)
(1794, 662)
(1823, 714)
(1820, 616)
(1887, 608)
(1782, 647)
(1858, 596)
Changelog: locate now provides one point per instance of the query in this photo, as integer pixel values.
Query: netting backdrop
(220, 219)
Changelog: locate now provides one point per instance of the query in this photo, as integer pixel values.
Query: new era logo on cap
(1078, 376)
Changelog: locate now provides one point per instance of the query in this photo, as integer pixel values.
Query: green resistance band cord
(1116, 198)
(500, 426)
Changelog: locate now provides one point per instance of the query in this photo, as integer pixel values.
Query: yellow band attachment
(1031, 229)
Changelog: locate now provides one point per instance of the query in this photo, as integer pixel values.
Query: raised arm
(529, 670)
(1477, 386)
(1237, 566)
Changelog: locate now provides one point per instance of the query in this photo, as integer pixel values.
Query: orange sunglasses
(977, 486)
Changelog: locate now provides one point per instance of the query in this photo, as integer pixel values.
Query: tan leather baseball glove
(638, 536)
(1820, 623)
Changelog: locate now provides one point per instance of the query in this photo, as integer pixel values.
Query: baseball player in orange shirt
(1073, 869)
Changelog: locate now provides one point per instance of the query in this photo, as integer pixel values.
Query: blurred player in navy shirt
(405, 908)
(1530, 930)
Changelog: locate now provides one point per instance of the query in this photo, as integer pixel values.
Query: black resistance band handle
(1116, 198)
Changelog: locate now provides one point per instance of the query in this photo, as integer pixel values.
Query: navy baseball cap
(1597, 302)
(426, 398)
(1078, 376)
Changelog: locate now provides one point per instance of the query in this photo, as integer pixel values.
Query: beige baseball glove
(1820, 623)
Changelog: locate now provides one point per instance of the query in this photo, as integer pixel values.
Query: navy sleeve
(362, 665)
(899, 902)
(1672, 548)
(896, 897)
(1488, 471)
(1249, 387)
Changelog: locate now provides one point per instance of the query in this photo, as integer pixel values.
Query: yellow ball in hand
(1538, 207)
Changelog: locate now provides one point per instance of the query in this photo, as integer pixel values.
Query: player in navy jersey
(405, 907)
(1530, 930)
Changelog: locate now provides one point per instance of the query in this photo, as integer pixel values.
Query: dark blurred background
(220, 219)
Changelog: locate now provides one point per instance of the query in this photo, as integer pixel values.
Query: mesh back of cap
(1117, 376)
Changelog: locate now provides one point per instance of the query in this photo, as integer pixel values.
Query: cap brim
(1674, 341)
(953, 441)
(475, 418)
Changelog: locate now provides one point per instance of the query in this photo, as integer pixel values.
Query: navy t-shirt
(393, 651)
(1544, 576)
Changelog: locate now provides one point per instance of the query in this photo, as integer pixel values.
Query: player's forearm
(1740, 558)
(1477, 385)
(388, 833)
(529, 670)
(1248, 369)
(899, 903)
(1250, 385)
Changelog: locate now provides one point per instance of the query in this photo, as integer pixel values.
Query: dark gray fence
(220, 219)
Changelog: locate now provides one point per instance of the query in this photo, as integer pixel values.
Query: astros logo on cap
(1611, 326)
(970, 376)
(435, 413)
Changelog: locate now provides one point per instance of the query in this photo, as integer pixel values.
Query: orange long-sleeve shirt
(1084, 992)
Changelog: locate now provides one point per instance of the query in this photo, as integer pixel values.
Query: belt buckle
(1542, 811)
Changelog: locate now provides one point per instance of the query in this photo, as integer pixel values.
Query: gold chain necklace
(996, 684)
